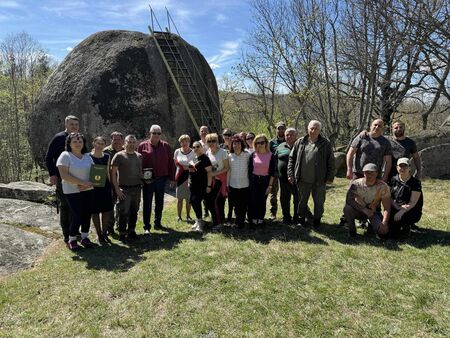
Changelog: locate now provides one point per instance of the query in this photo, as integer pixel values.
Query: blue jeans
(157, 188)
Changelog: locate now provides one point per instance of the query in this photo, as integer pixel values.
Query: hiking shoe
(86, 242)
(73, 245)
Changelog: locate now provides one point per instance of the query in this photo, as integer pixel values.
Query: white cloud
(9, 4)
(228, 51)
(221, 18)
(69, 49)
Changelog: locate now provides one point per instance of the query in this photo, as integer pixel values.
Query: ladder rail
(193, 63)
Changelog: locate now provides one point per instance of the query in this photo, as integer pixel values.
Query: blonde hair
(184, 137)
(212, 137)
(261, 136)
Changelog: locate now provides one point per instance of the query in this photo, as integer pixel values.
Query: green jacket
(325, 160)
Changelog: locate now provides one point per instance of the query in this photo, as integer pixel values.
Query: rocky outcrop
(19, 249)
(30, 214)
(340, 164)
(431, 138)
(435, 161)
(27, 190)
(117, 80)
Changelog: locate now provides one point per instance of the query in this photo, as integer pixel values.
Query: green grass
(280, 281)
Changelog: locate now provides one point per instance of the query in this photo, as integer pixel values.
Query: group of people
(244, 169)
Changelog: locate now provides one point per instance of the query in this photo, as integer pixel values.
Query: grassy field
(278, 281)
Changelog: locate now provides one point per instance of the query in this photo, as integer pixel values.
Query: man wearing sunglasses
(55, 148)
(158, 167)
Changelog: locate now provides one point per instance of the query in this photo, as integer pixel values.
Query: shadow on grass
(272, 231)
(421, 239)
(123, 256)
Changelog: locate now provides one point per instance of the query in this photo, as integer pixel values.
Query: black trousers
(197, 196)
(216, 203)
(80, 208)
(258, 197)
(64, 210)
(286, 191)
(239, 199)
(402, 227)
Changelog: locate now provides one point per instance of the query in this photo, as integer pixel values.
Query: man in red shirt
(158, 166)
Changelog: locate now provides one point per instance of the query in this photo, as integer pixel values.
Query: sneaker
(86, 242)
(200, 226)
(73, 245)
(159, 227)
(146, 232)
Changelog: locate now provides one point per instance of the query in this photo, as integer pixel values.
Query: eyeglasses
(250, 138)
(260, 142)
(227, 135)
(211, 141)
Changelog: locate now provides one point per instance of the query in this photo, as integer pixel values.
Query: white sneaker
(195, 225)
(201, 226)
(146, 232)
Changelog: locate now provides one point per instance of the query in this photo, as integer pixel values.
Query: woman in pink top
(261, 172)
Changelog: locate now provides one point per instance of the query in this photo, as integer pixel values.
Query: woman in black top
(407, 200)
(200, 181)
(103, 202)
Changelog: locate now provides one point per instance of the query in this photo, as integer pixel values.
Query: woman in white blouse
(182, 157)
(238, 182)
(74, 166)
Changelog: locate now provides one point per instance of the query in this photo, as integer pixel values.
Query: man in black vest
(55, 148)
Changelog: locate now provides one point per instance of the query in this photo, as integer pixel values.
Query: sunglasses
(227, 135)
(73, 135)
(260, 142)
(211, 141)
(154, 133)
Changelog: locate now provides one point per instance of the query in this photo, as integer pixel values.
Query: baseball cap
(370, 167)
(403, 160)
(280, 124)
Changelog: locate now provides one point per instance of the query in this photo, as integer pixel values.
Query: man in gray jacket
(311, 167)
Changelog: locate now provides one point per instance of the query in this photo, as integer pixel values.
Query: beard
(399, 133)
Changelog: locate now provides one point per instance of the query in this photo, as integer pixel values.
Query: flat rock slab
(29, 213)
(26, 190)
(19, 249)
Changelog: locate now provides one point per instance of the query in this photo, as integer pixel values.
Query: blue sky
(216, 27)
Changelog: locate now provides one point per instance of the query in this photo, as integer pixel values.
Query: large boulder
(27, 190)
(340, 164)
(117, 80)
(430, 138)
(435, 161)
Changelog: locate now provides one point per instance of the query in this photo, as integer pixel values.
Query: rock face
(19, 249)
(26, 190)
(31, 214)
(435, 161)
(117, 80)
(430, 138)
(340, 164)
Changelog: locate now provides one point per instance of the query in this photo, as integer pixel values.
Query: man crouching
(363, 201)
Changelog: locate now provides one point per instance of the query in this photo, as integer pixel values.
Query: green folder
(98, 175)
